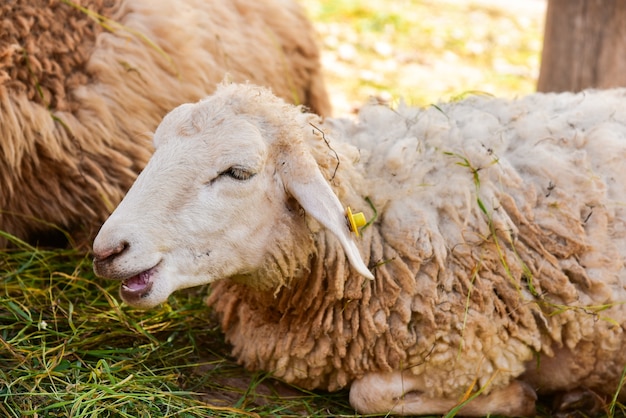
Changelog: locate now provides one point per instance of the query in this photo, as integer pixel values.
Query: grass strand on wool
(113, 26)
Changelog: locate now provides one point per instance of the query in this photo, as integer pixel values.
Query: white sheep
(83, 84)
(497, 243)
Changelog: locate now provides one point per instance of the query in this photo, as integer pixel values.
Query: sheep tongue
(137, 282)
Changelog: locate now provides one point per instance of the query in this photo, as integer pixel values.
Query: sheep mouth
(138, 286)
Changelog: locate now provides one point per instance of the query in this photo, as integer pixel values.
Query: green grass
(68, 348)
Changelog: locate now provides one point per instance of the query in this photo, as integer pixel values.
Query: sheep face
(218, 199)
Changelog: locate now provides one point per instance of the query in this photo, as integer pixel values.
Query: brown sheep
(84, 83)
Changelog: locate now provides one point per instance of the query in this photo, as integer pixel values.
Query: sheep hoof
(577, 403)
(400, 393)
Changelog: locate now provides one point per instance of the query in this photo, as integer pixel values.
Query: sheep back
(498, 249)
(83, 85)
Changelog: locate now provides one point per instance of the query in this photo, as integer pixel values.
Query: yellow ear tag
(356, 220)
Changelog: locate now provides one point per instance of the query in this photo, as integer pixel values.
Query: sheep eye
(237, 173)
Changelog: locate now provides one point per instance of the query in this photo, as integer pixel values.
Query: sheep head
(220, 198)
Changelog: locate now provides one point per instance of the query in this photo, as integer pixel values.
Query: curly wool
(498, 246)
(83, 85)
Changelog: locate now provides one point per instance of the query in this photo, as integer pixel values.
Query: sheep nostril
(111, 252)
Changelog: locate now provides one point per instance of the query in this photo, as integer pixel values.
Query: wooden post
(584, 45)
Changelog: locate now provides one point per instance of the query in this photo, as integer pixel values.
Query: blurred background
(427, 50)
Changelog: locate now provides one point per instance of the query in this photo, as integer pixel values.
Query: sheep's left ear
(307, 185)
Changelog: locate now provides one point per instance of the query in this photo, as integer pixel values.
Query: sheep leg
(402, 393)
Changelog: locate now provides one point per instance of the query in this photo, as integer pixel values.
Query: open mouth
(137, 286)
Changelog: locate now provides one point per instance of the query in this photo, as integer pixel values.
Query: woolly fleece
(498, 249)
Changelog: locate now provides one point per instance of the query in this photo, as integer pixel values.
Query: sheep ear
(314, 194)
